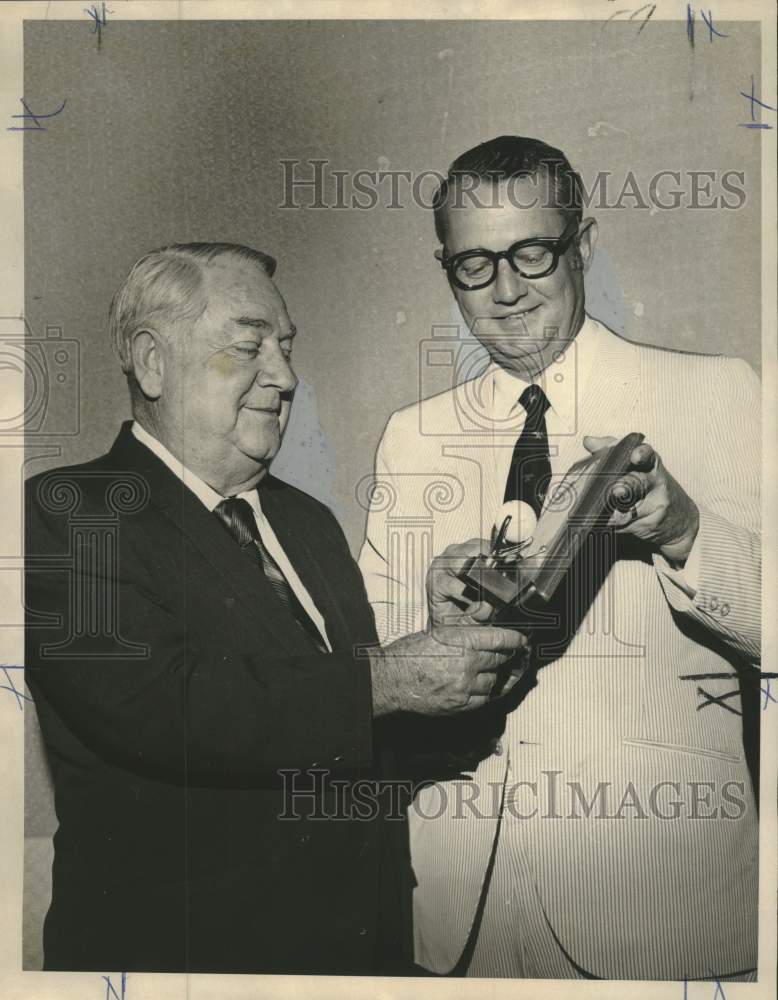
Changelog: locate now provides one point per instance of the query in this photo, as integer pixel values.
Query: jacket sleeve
(726, 595)
(194, 713)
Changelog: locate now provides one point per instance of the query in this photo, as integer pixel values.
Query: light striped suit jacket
(637, 897)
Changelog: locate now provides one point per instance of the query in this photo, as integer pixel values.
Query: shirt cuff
(687, 578)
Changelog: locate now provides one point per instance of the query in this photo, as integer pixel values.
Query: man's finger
(592, 443)
(484, 682)
(487, 638)
(628, 491)
(445, 586)
(477, 614)
(474, 614)
(643, 458)
(453, 557)
(511, 681)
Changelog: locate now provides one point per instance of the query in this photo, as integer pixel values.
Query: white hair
(167, 285)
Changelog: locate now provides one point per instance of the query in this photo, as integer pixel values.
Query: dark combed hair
(513, 156)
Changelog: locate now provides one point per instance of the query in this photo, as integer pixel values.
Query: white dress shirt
(211, 499)
(563, 382)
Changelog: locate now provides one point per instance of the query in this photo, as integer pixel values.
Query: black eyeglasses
(535, 258)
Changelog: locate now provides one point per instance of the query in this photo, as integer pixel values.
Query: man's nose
(509, 286)
(277, 372)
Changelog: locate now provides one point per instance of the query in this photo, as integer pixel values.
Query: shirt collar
(562, 382)
(205, 493)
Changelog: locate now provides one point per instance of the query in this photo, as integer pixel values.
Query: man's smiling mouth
(517, 313)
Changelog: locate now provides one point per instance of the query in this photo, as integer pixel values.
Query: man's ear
(587, 242)
(148, 363)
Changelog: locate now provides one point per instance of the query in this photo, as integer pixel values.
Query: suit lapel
(203, 532)
(606, 401)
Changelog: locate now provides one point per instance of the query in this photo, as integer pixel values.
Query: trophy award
(520, 575)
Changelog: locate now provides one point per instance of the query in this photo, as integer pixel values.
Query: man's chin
(520, 355)
(260, 449)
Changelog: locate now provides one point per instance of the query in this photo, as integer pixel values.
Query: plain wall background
(174, 131)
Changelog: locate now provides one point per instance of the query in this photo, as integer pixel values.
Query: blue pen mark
(768, 696)
(110, 989)
(754, 100)
(20, 696)
(36, 119)
(100, 19)
(719, 992)
(712, 31)
(690, 21)
(690, 24)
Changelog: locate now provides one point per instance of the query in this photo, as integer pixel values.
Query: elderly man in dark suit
(198, 642)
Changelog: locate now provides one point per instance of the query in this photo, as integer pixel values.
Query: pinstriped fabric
(629, 897)
(439, 818)
(726, 601)
(515, 939)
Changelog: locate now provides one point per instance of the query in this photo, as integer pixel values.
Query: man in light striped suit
(606, 825)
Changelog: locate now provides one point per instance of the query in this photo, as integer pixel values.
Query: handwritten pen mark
(719, 988)
(711, 30)
(37, 127)
(632, 15)
(20, 696)
(712, 699)
(110, 989)
(690, 24)
(766, 674)
(754, 102)
(768, 696)
(647, 18)
(100, 18)
(705, 677)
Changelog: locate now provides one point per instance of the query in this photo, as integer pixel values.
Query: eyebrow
(257, 323)
(254, 321)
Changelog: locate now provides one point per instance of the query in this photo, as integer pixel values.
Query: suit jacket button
(713, 603)
(337, 759)
(724, 608)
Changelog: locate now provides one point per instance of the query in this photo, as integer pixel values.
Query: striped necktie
(530, 470)
(238, 518)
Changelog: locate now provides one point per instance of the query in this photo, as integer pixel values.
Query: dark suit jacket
(172, 687)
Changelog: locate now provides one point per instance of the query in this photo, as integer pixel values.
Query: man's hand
(446, 593)
(660, 511)
(450, 670)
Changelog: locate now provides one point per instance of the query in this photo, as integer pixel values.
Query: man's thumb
(592, 443)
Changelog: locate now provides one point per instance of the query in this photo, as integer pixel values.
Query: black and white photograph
(388, 419)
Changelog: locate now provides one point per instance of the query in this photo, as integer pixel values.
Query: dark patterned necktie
(530, 470)
(238, 518)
